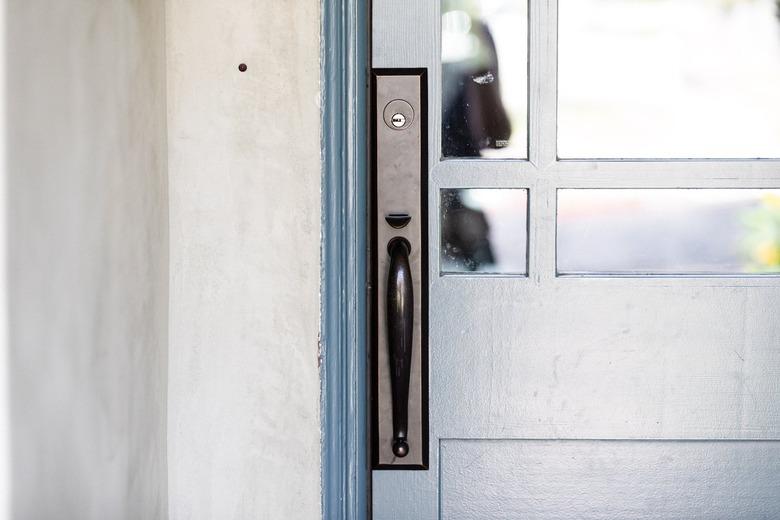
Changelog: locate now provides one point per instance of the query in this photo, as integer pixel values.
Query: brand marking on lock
(398, 120)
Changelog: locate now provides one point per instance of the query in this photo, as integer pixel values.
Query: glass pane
(484, 78)
(668, 231)
(484, 231)
(669, 79)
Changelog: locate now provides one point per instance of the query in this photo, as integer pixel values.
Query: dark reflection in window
(483, 230)
(484, 111)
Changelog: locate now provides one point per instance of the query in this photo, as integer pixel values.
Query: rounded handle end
(400, 448)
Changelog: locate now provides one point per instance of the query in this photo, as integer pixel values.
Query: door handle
(400, 327)
(399, 270)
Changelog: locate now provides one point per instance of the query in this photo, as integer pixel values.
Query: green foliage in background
(762, 242)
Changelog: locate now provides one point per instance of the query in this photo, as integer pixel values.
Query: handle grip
(400, 325)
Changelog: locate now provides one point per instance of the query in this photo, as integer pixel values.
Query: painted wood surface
(344, 54)
(550, 358)
(589, 480)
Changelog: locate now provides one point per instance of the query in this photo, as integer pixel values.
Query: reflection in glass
(668, 231)
(669, 79)
(484, 110)
(484, 230)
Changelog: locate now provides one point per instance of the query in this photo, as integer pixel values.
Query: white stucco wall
(244, 433)
(88, 258)
(5, 405)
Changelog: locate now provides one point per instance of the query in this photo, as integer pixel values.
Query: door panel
(603, 358)
(630, 396)
(584, 480)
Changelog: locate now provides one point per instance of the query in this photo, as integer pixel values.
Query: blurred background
(663, 79)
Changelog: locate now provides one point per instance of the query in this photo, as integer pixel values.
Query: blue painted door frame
(345, 64)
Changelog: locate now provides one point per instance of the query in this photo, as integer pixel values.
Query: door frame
(345, 63)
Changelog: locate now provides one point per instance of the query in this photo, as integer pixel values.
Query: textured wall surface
(244, 433)
(88, 242)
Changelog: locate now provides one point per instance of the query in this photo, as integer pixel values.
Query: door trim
(343, 365)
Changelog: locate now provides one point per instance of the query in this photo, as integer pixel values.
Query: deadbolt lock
(398, 114)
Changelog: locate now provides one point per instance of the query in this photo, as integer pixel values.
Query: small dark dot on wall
(242, 67)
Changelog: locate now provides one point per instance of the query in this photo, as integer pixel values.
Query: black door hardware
(399, 269)
(400, 327)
